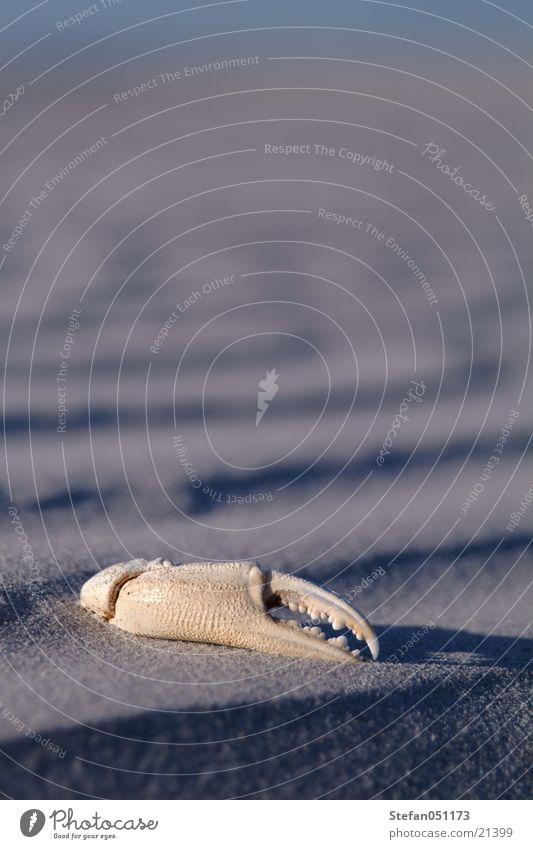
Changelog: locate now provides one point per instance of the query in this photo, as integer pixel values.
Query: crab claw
(226, 604)
(321, 605)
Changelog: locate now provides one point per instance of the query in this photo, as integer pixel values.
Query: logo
(267, 391)
(32, 822)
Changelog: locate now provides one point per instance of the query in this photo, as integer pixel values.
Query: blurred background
(252, 206)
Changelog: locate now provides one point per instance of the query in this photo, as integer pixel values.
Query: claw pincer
(229, 604)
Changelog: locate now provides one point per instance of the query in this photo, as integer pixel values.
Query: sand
(258, 279)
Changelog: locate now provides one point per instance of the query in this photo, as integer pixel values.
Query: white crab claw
(226, 604)
(321, 603)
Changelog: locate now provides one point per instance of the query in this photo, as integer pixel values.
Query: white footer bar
(256, 825)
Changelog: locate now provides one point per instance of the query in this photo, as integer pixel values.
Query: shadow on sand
(440, 723)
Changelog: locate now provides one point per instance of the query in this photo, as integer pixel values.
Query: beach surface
(153, 289)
